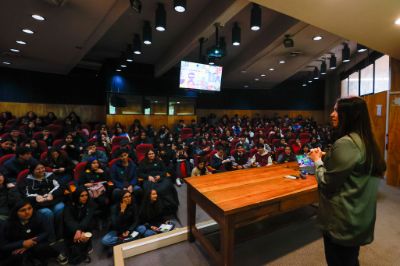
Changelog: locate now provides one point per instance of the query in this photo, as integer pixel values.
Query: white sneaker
(178, 182)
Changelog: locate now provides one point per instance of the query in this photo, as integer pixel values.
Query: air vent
(58, 3)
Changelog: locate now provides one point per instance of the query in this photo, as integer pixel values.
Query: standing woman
(348, 179)
(78, 218)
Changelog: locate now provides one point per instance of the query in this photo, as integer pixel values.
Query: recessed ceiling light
(147, 42)
(28, 31)
(317, 38)
(271, 69)
(21, 42)
(6, 63)
(243, 71)
(304, 85)
(129, 60)
(38, 17)
(14, 50)
(246, 86)
(178, 102)
(118, 70)
(256, 79)
(263, 75)
(397, 21)
(122, 65)
(282, 61)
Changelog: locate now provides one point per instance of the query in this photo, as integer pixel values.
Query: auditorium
(212, 132)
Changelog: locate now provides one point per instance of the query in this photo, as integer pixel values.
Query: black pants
(338, 255)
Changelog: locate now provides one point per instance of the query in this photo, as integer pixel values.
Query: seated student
(119, 132)
(47, 137)
(124, 220)
(78, 218)
(203, 147)
(314, 143)
(22, 160)
(124, 145)
(8, 197)
(152, 214)
(286, 156)
(201, 168)
(46, 195)
(297, 146)
(182, 165)
(266, 146)
(153, 171)
(95, 179)
(92, 152)
(143, 139)
(36, 150)
(240, 158)
(6, 147)
(244, 142)
(105, 142)
(305, 150)
(71, 148)
(261, 157)
(281, 144)
(62, 166)
(24, 238)
(220, 161)
(123, 174)
(167, 156)
(16, 137)
(31, 129)
(49, 118)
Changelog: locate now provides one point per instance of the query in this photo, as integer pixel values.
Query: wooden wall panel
(318, 116)
(393, 155)
(87, 113)
(378, 122)
(155, 120)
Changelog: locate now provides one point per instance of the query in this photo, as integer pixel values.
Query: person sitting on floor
(261, 157)
(124, 220)
(24, 238)
(78, 220)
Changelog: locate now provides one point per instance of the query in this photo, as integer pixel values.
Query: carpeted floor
(290, 239)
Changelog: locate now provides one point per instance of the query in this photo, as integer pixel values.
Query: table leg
(227, 242)
(191, 207)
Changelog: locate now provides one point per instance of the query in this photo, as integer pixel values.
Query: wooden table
(237, 198)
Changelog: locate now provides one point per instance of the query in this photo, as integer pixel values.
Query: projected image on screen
(200, 76)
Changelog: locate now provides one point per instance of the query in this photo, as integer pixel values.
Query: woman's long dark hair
(354, 117)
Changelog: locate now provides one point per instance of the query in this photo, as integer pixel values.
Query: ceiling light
(361, 48)
(28, 31)
(271, 69)
(236, 34)
(323, 67)
(263, 75)
(129, 60)
(161, 18)
(136, 5)
(288, 41)
(317, 38)
(309, 81)
(6, 63)
(14, 50)
(397, 21)
(316, 73)
(123, 65)
(243, 71)
(304, 84)
(178, 102)
(118, 70)
(21, 42)
(256, 79)
(147, 38)
(332, 62)
(345, 53)
(137, 46)
(246, 86)
(255, 18)
(180, 5)
(38, 17)
(282, 61)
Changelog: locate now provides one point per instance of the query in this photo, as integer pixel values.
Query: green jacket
(347, 207)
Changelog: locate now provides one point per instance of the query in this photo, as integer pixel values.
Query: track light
(236, 32)
(323, 67)
(147, 38)
(361, 48)
(332, 62)
(288, 41)
(255, 18)
(345, 53)
(316, 73)
(136, 5)
(161, 18)
(137, 45)
(180, 5)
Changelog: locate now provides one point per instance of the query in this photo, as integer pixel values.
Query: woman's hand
(152, 179)
(49, 197)
(77, 236)
(29, 243)
(157, 178)
(315, 154)
(99, 171)
(154, 228)
(39, 198)
(125, 234)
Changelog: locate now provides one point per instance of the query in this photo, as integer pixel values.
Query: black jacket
(126, 221)
(78, 217)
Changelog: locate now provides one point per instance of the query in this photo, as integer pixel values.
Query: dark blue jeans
(338, 255)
